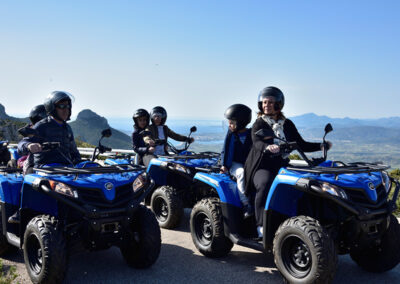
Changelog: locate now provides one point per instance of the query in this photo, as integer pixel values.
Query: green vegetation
(7, 273)
(396, 175)
(82, 144)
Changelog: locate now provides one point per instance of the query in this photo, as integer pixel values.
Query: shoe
(14, 218)
(248, 211)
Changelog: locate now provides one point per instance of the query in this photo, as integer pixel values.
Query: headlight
(63, 188)
(182, 169)
(139, 182)
(333, 190)
(387, 183)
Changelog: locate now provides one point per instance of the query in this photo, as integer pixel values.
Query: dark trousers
(262, 181)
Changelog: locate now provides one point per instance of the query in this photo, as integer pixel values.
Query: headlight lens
(139, 182)
(182, 169)
(387, 183)
(63, 189)
(333, 190)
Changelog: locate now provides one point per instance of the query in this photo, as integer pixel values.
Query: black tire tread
(175, 206)
(146, 252)
(54, 250)
(220, 245)
(322, 243)
(383, 258)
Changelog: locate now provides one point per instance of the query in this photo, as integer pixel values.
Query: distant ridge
(88, 126)
(311, 120)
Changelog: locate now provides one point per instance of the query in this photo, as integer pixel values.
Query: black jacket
(257, 159)
(51, 131)
(138, 144)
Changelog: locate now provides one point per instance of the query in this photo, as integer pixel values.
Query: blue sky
(335, 58)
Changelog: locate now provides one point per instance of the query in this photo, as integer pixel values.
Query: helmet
(37, 113)
(141, 112)
(239, 113)
(272, 92)
(55, 97)
(159, 110)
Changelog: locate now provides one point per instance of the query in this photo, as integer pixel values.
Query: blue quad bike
(173, 175)
(63, 210)
(315, 210)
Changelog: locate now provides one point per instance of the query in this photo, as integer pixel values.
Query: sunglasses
(63, 106)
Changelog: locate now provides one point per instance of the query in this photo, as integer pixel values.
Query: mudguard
(10, 188)
(225, 187)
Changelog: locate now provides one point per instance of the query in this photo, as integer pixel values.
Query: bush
(396, 175)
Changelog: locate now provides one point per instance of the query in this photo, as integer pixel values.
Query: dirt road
(180, 262)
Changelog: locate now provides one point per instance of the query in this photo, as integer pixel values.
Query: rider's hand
(152, 143)
(191, 140)
(329, 145)
(273, 148)
(34, 148)
(151, 149)
(223, 169)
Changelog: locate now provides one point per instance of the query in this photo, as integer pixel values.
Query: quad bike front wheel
(207, 228)
(304, 252)
(142, 248)
(167, 205)
(382, 257)
(45, 251)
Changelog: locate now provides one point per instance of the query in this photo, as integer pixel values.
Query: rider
(54, 128)
(159, 130)
(141, 120)
(264, 160)
(37, 113)
(236, 148)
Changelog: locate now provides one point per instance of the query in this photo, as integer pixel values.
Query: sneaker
(14, 218)
(248, 211)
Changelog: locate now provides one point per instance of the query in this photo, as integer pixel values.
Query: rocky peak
(93, 119)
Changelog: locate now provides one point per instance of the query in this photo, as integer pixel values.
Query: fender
(283, 196)
(225, 187)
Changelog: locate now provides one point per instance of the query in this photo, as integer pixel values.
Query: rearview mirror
(193, 129)
(106, 132)
(265, 134)
(328, 128)
(27, 131)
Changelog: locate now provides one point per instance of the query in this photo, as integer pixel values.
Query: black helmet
(37, 113)
(55, 97)
(239, 113)
(141, 112)
(272, 92)
(159, 110)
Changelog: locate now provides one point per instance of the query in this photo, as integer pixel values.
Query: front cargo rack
(342, 168)
(90, 170)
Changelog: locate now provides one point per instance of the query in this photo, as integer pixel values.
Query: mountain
(9, 126)
(88, 126)
(5, 116)
(311, 120)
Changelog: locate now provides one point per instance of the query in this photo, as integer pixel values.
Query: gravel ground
(180, 262)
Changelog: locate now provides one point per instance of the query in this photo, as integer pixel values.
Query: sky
(196, 58)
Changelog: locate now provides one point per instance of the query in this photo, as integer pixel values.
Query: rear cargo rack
(91, 170)
(202, 155)
(10, 170)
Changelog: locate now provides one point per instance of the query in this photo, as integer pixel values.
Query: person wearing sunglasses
(54, 128)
